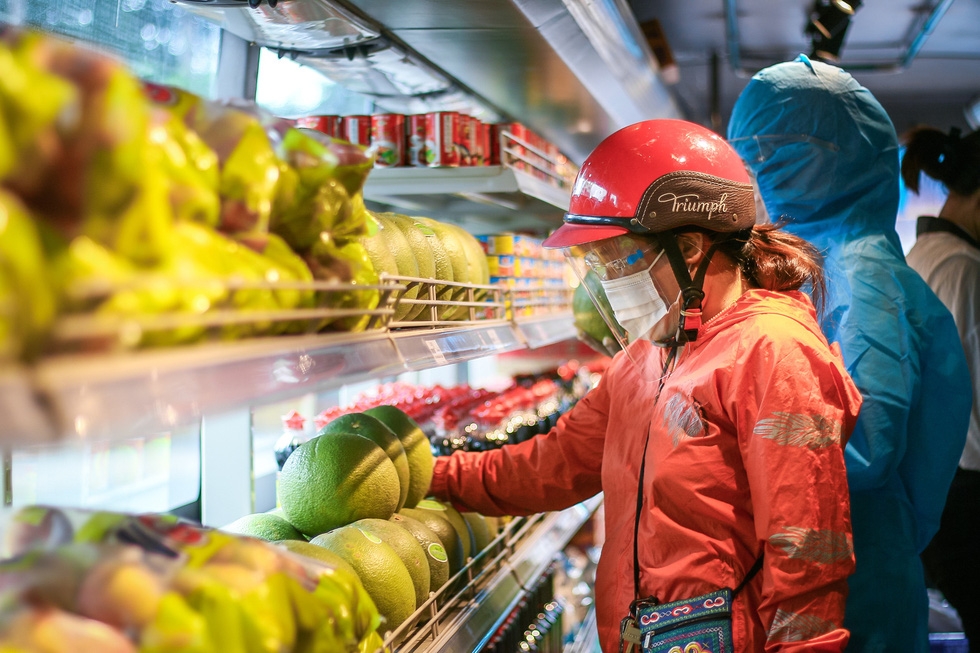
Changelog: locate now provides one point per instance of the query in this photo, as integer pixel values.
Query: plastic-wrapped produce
(169, 585)
(27, 300)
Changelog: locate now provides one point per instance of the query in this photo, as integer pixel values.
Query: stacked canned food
(437, 139)
(448, 139)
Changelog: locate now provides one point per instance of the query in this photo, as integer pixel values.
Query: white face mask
(635, 301)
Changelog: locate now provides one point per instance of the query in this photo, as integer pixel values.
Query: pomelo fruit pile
(357, 492)
(425, 248)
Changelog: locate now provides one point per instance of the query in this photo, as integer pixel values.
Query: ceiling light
(827, 26)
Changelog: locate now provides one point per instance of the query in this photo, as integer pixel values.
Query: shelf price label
(436, 351)
(495, 339)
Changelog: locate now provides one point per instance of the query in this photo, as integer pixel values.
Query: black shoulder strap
(927, 224)
(636, 522)
(756, 566)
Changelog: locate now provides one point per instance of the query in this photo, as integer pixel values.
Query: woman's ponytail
(774, 259)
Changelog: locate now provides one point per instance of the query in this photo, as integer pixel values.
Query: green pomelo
(587, 316)
(318, 553)
(438, 523)
(377, 432)
(381, 571)
(336, 479)
(382, 258)
(417, 448)
(476, 260)
(493, 524)
(421, 247)
(435, 552)
(408, 549)
(456, 519)
(481, 531)
(443, 265)
(264, 526)
(405, 260)
(456, 253)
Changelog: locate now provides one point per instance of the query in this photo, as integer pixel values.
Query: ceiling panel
(934, 88)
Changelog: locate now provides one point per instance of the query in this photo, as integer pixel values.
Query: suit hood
(822, 149)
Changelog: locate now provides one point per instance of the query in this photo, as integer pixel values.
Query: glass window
(158, 39)
(156, 473)
(928, 201)
(290, 90)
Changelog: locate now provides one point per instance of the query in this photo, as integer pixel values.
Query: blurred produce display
(103, 582)
(135, 215)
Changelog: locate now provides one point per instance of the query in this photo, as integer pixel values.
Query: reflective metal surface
(531, 60)
(295, 25)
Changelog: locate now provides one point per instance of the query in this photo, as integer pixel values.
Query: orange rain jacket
(745, 454)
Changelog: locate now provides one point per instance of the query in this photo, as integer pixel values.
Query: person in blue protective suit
(825, 159)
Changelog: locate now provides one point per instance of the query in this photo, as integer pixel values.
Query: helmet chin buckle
(691, 321)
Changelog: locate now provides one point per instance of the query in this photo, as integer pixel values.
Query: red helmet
(654, 176)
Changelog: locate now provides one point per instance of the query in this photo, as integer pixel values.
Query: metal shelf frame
(499, 196)
(461, 616)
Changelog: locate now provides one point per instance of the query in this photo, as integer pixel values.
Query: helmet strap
(691, 288)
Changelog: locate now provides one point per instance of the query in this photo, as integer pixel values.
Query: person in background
(824, 155)
(725, 412)
(947, 255)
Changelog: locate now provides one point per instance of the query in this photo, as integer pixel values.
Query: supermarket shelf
(466, 621)
(422, 350)
(500, 196)
(541, 331)
(120, 395)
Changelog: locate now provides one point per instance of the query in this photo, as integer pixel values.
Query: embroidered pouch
(702, 624)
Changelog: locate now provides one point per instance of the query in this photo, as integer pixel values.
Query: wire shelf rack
(463, 613)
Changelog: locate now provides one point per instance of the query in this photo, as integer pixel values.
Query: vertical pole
(226, 467)
(8, 478)
(238, 68)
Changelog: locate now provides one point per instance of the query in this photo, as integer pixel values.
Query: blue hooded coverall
(825, 157)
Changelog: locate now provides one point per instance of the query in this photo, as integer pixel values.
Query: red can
(495, 132)
(474, 138)
(415, 140)
(486, 139)
(329, 125)
(388, 139)
(465, 141)
(518, 153)
(441, 135)
(357, 129)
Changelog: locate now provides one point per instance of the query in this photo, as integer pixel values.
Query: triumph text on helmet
(657, 178)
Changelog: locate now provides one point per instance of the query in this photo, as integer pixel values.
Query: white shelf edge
(539, 332)
(114, 396)
(388, 182)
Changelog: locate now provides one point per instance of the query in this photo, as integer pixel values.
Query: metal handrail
(91, 329)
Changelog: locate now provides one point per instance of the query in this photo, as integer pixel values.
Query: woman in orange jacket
(717, 434)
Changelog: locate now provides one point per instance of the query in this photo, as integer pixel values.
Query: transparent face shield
(617, 274)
